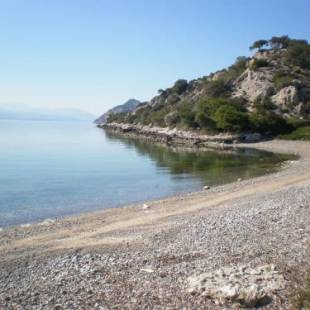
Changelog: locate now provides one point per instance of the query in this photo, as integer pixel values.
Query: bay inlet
(53, 169)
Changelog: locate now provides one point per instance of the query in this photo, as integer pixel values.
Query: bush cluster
(258, 63)
(299, 55)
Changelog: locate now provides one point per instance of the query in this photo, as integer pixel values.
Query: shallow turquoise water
(52, 169)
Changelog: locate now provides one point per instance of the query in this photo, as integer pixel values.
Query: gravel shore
(242, 244)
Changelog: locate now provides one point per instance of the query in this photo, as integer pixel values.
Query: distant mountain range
(128, 106)
(13, 111)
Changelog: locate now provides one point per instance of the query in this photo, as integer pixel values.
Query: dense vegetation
(208, 104)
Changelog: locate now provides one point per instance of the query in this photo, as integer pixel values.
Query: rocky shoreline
(181, 137)
(244, 244)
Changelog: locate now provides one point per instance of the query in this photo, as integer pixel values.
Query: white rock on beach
(247, 286)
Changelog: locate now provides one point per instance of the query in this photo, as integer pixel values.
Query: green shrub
(263, 104)
(268, 123)
(216, 88)
(172, 119)
(235, 70)
(204, 121)
(180, 86)
(299, 55)
(130, 118)
(157, 118)
(218, 113)
(210, 105)
(228, 118)
(297, 122)
(187, 114)
(258, 63)
(142, 116)
(116, 117)
(302, 133)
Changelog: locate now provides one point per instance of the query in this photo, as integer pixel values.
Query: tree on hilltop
(279, 42)
(259, 44)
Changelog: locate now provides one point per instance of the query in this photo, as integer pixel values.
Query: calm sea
(52, 169)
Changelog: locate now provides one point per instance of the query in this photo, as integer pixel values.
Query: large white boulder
(247, 286)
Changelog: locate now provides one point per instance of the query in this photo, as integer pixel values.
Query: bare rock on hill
(286, 96)
(252, 84)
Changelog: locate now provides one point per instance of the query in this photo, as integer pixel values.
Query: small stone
(206, 187)
(147, 270)
(145, 207)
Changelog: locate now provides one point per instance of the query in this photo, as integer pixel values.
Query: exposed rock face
(128, 106)
(250, 287)
(286, 96)
(252, 84)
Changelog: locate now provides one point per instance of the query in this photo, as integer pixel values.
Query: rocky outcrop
(250, 287)
(253, 84)
(181, 137)
(286, 96)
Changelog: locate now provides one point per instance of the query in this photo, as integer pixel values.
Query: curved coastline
(273, 207)
(177, 137)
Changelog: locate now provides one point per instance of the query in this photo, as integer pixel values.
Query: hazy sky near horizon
(94, 54)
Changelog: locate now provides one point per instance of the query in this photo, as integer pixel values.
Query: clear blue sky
(94, 54)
